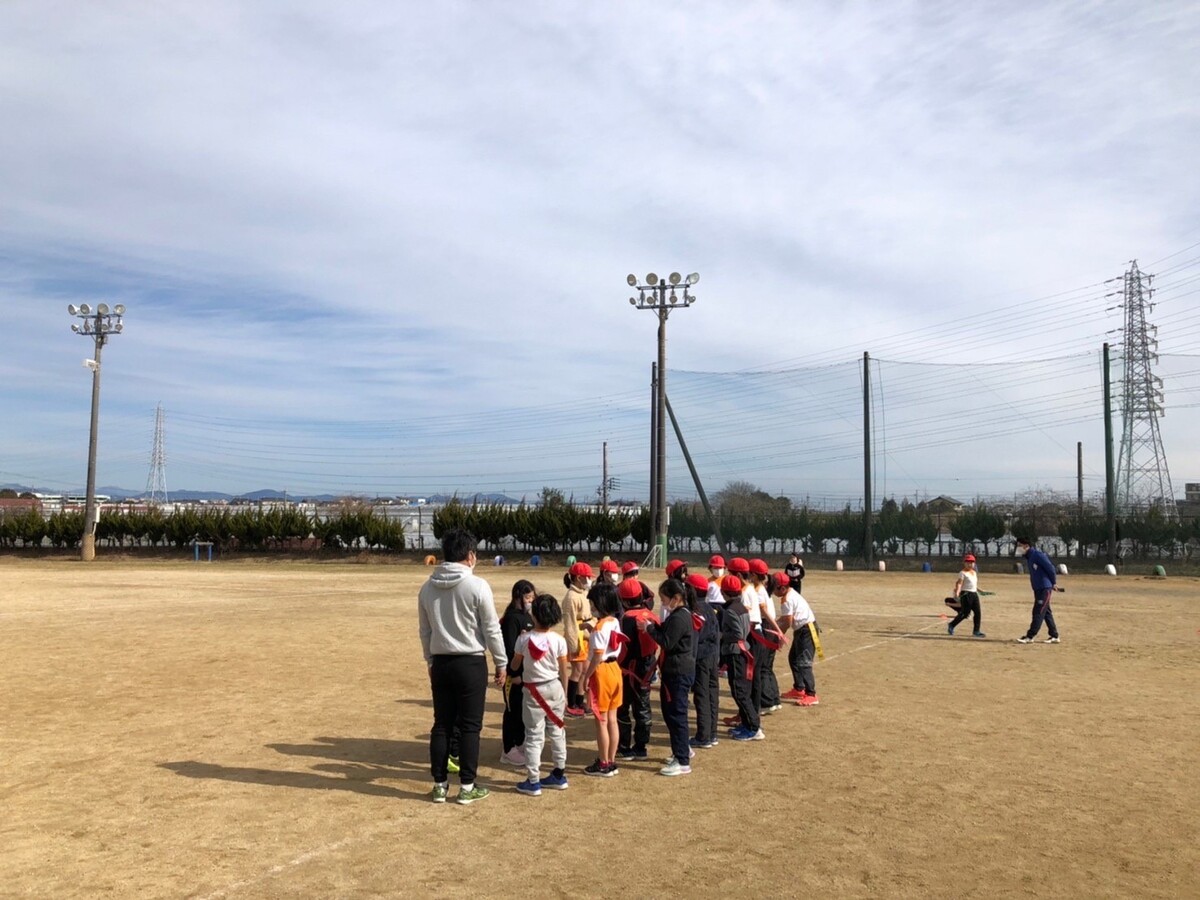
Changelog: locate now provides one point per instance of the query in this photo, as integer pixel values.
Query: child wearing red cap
(602, 675)
(706, 694)
(716, 571)
(676, 636)
(966, 589)
(639, 662)
(738, 658)
(797, 615)
(578, 581)
(611, 571)
(769, 635)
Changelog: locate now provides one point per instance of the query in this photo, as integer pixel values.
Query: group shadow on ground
(354, 764)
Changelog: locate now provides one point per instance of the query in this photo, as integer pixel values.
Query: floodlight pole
(97, 324)
(660, 295)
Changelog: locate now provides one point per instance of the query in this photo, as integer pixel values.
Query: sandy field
(250, 729)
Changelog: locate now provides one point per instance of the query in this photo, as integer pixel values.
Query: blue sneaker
(738, 732)
(530, 788)
(978, 634)
(556, 779)
(949, 629)
(750, 736)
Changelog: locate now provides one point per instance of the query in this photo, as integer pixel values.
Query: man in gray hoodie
(458, 624)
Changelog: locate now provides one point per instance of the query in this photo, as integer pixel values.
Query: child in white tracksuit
(541, 656)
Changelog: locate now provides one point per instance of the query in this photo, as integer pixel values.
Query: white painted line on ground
(898, 637)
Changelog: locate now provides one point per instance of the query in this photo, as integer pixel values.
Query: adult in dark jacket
(1044, 583)
(675, 636)
(794, 570)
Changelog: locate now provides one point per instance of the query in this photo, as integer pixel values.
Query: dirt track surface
(250, 730)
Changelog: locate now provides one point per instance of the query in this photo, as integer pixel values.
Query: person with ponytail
(513, 623)
(676, 637)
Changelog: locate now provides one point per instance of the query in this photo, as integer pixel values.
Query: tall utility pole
(97, 324)
(868, 536)
(653, 448)
(1110, 480)
(1143, 480)
(661, 296)
(604, 478)
(156, 480)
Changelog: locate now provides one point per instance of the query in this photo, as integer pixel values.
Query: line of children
(541, 657)
(513, 623)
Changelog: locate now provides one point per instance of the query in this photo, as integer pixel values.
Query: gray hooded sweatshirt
(457, 615)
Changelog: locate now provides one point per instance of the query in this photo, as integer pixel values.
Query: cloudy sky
(381, 248)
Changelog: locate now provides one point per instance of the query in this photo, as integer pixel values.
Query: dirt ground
(257, 730)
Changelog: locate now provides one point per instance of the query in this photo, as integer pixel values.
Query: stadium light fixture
(98, 326)
(661, 297)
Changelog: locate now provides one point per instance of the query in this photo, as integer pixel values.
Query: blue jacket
(1041, 570)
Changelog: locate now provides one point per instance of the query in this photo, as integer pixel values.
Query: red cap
(699, 582)
(717, 562)
(609, 566)
(759, 567)
(781, 580)
(970, 557)
(581, 570)
(739, 565)
(731, 584)
(630, 589)
(673, 566)
(629, 568)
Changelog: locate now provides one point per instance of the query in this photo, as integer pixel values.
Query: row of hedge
(243, 529)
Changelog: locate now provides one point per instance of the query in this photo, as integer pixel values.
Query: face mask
(614, 577)
(717, 573)
(1020, 551)
(587, 584)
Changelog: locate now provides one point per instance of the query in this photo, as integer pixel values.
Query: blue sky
(382, 248)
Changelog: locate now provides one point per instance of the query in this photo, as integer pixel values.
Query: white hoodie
(457, 615)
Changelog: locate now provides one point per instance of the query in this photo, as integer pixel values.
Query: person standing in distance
(794, 570)
(458, 626)
(1042, 578)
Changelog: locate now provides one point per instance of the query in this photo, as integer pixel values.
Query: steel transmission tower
(1143, 480)
(156, 481)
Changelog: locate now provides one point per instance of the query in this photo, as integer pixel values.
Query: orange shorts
(582, 653)
(605, 688)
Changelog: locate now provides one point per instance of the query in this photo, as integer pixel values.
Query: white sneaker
(673, 768)
(1024, 640)
(1052, 640)
(514, 757)
(691, 755)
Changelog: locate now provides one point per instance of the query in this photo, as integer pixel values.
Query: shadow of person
(278, 778)
(372, 751)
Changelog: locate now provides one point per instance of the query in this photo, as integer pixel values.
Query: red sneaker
(732, 720)
(808, 700)
(794, 694)
(575, 712)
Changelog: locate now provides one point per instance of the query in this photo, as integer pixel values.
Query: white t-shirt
(714, 595)
(970, 580)
(797, 607)
(750, 601)
(546, 668)
(765, 598)
(598, 642)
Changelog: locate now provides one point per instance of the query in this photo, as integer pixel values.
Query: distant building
(1191, 492)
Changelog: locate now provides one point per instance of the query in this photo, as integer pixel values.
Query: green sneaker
(439, 793)
(475, 793)
(452, 765)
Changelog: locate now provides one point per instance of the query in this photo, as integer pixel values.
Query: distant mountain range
(119, 493)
